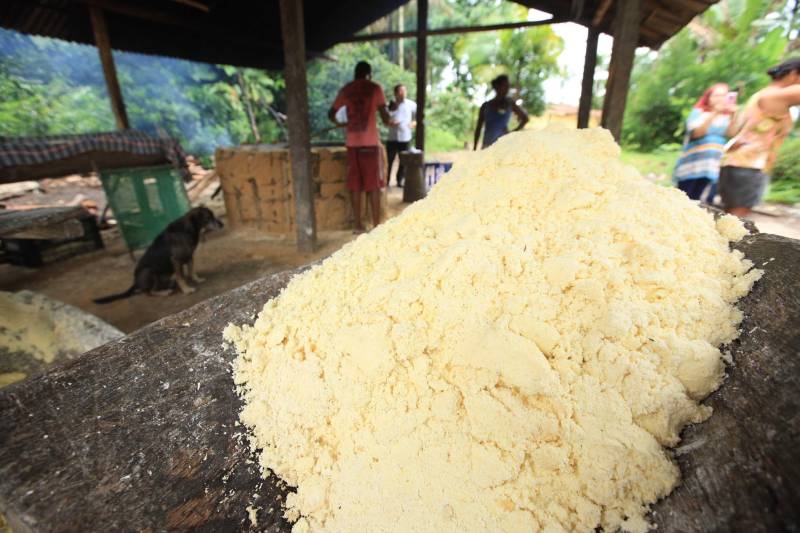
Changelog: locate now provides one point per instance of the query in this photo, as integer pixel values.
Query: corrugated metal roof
(243, 33)
(232, 32)
(660, 19)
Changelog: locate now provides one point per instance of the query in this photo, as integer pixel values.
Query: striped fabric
(21, 151)
(701, 157)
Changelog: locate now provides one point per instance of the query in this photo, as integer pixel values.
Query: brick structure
(257, 184)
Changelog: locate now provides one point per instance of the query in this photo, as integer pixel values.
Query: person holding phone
(758, 132)
(697, 170)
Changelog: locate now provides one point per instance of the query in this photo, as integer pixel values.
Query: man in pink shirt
(362, 98)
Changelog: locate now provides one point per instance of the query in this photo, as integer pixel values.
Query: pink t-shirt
(362, 98)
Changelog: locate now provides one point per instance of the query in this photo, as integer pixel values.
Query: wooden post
(626, 37)
(587, 85)
(109, 70)
(400, 49)
(422, 69)
(248, 105)
(294, 72)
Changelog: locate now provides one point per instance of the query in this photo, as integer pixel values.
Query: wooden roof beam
(109, 69)
(602, 11)
(456, 29)
(195, 24)
(576, 9)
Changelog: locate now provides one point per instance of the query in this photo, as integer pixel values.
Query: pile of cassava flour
(512, 353)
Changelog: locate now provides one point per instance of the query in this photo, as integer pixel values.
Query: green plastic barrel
(144, 201)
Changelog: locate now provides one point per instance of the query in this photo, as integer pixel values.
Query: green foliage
(784, 192)
(439, 140)
(452, 112)
(736, 43)
(787, 164)
(51, 87)
(325, 78)
(31, 106)
(785, 186)
(658, 163)
(529, 56)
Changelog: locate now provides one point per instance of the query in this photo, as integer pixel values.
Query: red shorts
(363, 168)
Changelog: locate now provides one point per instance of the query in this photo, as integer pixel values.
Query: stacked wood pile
(257, 184)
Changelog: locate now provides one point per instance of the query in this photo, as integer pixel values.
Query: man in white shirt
(404, 112)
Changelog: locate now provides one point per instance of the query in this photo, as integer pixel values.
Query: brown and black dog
(170, 256)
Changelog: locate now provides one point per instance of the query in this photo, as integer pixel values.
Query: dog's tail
(115, 297)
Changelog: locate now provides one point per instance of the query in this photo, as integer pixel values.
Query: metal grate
(144, 201)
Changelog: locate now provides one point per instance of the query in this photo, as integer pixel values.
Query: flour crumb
(252, 514)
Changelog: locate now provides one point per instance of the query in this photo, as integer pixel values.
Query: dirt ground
(226, 259)
(778, 219)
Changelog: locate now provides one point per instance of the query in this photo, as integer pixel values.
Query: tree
(529, 56)
(734, 42)
(325, 78)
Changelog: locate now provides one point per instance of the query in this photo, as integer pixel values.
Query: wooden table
(35, 236)
(141, 434)
(42, 223)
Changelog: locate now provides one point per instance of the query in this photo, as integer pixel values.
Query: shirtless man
(758, 131)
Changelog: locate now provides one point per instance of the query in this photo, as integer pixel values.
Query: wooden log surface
(42, 223)
(141, 434)
(741, 468)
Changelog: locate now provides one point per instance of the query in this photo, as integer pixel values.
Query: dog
(170, 256)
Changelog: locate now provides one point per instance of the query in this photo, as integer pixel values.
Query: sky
(568, 89)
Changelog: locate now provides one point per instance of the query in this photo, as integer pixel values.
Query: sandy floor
(778, 219)
(226, 259)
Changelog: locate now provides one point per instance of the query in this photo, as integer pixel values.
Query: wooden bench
(51, 226)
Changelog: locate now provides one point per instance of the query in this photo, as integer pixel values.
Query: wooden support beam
(587, 84)
(422, 69)
(193, 3)
(400, 42)
(109, 69)
(576, 9)
(626, 38)
(448, 31)
(294, 72)
(196, 23)
(248, 106)
(600, 14)
(609, 82)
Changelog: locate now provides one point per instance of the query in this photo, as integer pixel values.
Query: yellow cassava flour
(510, 354)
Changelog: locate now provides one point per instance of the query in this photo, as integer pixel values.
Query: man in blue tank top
(496, 114)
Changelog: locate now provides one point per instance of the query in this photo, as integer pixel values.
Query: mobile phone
(731, 97)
